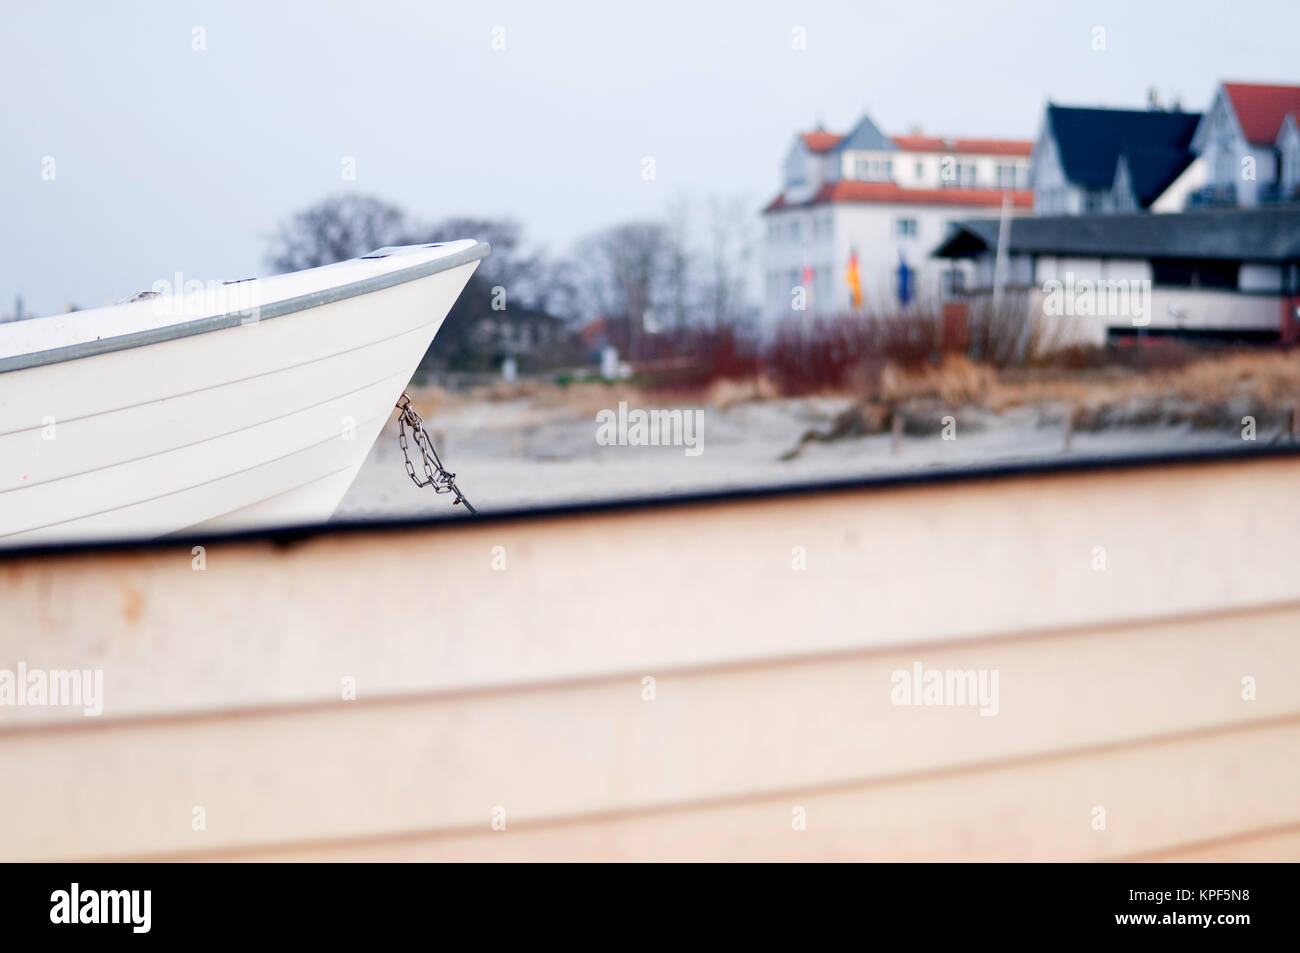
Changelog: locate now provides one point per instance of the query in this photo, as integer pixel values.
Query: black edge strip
(287, 536)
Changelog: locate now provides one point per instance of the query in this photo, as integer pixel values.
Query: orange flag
(854, 279)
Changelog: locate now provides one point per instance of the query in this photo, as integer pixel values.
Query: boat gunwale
(230, 319)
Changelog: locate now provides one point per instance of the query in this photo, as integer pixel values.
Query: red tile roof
(987, 147)
(886, 193)
(1261, 109)
(821, 141)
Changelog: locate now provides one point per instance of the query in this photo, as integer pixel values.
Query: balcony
(1213, 196)
(1274, 193)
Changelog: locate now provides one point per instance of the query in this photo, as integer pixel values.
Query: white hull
(259, 423)
(776, 690)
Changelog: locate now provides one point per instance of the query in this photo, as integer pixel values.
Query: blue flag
(905, 275)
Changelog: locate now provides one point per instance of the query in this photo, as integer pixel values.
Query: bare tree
(628, 261)
(335, 229)
(508, 266)
(679, 274)
(558, 288)
(344, 227)
(731, 247)
(590, 275)
(508, 282)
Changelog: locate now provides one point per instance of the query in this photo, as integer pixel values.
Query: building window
(1007, 175)
(873, 170)
(905, 227)
(794, 230)
(1189, 273)
(920, 170)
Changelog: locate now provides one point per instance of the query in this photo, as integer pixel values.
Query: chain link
(435, 474)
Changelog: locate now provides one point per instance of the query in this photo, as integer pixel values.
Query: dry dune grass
(1270, 377)
(724, 394)
(956, 381)
(586, 398)
(429, 399)
(1267, 378)
(582, 398)
(1208, 391)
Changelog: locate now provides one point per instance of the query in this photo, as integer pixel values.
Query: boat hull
(260, 423)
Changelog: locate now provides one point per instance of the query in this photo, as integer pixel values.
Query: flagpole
(1000, 262)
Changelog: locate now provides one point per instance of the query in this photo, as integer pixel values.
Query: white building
(1250, 146)
(886, 201)
(1224, 274)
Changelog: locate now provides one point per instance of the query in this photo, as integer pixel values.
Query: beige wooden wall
(521, 689)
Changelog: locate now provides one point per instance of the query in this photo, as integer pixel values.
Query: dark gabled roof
(1152, 169)
(1090, 142)
(1258, 234)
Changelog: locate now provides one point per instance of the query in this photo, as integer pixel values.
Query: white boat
(213, 408)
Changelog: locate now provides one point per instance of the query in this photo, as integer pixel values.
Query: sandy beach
(526, 451)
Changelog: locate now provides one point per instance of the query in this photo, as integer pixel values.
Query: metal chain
(435, 474)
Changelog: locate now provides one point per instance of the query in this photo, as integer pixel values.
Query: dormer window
(873, 170)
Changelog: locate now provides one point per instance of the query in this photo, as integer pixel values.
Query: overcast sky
(172, 158)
